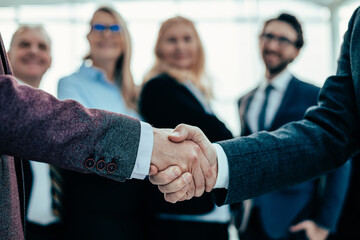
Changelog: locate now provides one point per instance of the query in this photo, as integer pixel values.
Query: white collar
(280, 82)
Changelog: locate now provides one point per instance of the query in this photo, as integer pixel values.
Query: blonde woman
(97, 208)
(176, 91)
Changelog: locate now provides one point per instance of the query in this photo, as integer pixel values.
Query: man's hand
(312, 230)
(174, 189)
(188, 156)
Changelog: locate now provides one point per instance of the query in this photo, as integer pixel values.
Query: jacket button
(89, 163)
(100, 165)
(111, 168)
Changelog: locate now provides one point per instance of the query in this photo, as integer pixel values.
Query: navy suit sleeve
(337, 183)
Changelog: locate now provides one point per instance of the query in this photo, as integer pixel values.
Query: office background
(229, 30)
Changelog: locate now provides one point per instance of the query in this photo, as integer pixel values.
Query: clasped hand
(183, 163)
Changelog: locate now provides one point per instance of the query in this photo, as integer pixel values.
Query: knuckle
(208, 173)
(152, 179)
(164, 178)
(197, 149)
(194, 155)
(181, 183)
(161, 189)
(189, 196)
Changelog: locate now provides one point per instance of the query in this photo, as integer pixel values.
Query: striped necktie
(57, 194)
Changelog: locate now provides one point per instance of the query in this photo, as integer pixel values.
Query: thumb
(298, 227)
(153, 170)
(187, 132)
(179, 134)
(184, 132)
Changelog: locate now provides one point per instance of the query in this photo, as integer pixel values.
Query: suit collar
(280, 82)
(286, 80)
(287, 100)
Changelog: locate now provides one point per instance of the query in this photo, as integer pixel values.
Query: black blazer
(165, 103)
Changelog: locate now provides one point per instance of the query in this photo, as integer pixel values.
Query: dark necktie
(261, 123)
(56, 191)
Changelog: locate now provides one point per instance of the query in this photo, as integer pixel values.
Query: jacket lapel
(243, 105)
(5, 68)
(287, 101)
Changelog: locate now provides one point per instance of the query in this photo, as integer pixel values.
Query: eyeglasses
(283, 41)
(115, 28)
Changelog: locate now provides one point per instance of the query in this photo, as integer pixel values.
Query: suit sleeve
(302, 150)
(332, 201)
(35, 125)
(165, 103)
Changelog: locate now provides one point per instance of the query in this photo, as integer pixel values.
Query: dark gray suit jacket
(279, 210)
(327, 137)
(35, 125)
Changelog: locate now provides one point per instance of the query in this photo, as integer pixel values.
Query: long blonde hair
(195, 74)
(122, 74)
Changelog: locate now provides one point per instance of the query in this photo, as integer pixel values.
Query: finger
(191, 191)
(179, 134)
(198, 177)
(183, 198)
(153, 170)
(208, 173)
(298, 227)
(166, 176)
(174, 197)
(187, 132)
(199, 182)
(177, 184)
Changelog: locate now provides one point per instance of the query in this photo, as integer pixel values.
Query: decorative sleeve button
(101, 165)
(111, 168)
(89, 163)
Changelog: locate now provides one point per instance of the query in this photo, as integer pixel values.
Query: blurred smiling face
(277, 46)
(178, 46)
(105, 37)
(30, 55)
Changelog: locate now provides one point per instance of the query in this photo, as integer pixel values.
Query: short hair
(25, 27)
(294, 23)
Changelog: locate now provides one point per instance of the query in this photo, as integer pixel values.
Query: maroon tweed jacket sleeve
(35, 125)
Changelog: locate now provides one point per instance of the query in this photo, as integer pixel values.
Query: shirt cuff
(222, 180)
(143, 158)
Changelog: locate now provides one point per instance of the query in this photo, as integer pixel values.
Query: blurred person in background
(30, 57)
(176, 91)
(98, 208)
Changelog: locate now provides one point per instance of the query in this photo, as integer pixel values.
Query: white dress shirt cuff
(222, 180)
(142, 164)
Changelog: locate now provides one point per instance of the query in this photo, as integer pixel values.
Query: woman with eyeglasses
(176, 91)
(98, 208)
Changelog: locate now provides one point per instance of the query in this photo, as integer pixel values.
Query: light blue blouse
(90, 87)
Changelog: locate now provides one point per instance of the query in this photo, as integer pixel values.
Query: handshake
(183, 163)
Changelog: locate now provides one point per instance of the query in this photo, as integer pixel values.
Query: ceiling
(9, 3)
